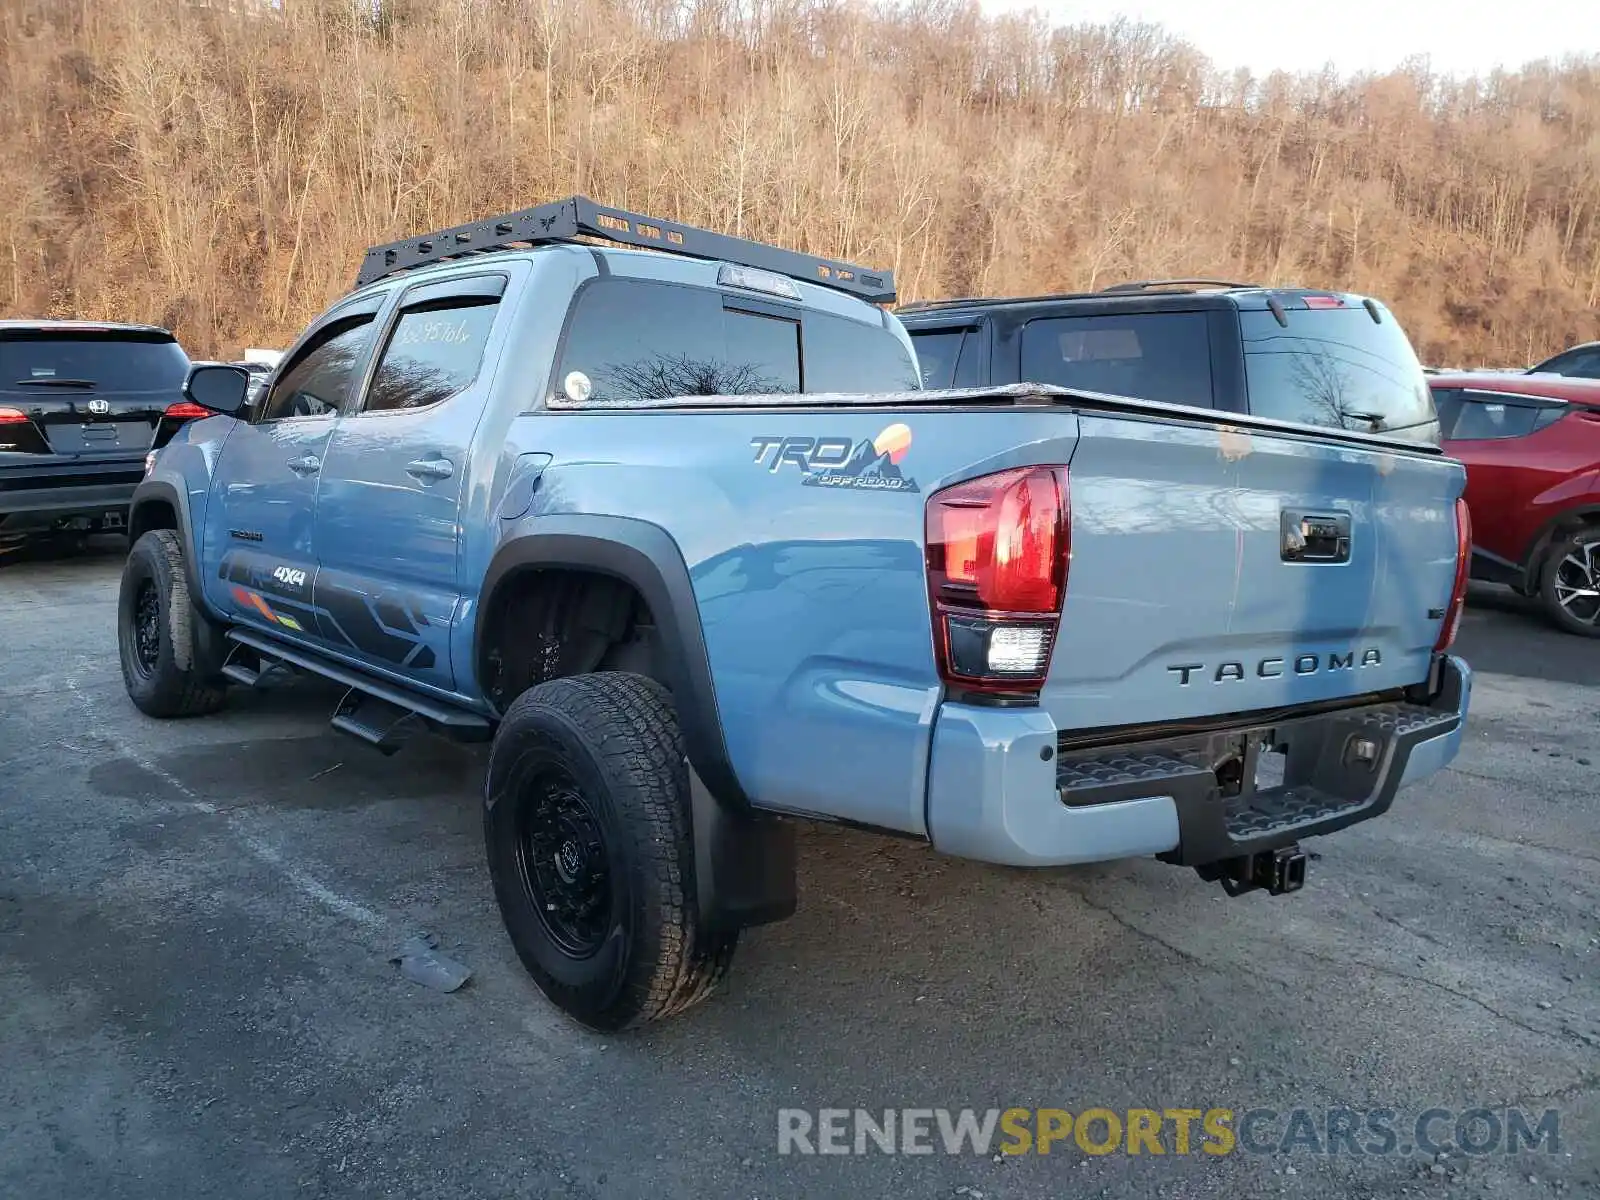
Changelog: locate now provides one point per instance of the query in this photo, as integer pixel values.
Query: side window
(1448, 403)
(1151, 356)
(316, 383)
(949, 358)
(1485, 417)
(435, 351)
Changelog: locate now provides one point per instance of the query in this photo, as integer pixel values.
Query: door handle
(306, 465)
(430, 468)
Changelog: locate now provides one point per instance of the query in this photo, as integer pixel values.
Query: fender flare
(644, 555)
(157, 489)
(1533, 556)
(744, 859)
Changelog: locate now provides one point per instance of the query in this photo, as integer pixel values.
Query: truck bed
(1180, 604)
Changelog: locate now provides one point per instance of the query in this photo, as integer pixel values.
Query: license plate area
(1272, 763)
(129, 436)
(1267, 764)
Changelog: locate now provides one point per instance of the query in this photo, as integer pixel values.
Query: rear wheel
(165, 643)
(590, 850)
(1569, 584)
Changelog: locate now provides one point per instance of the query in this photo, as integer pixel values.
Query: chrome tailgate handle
(1315, 537)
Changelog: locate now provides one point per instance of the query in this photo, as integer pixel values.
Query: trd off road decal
(871, 465)
(387, 627)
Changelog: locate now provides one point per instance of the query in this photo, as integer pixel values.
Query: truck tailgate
(1188, 595)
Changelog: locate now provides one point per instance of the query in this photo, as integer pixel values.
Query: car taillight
(11, 416)
(997, 554)
(184, 411)
(1458, 590)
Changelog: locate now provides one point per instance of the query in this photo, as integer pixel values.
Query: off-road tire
(1559, 549)
(617, 738)
(179, 679)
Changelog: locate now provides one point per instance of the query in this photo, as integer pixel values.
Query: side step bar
(372, 709)
(380, 724)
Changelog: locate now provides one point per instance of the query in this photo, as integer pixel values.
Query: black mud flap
(744, 862)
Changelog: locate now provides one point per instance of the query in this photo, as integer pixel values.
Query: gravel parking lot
(196, 997)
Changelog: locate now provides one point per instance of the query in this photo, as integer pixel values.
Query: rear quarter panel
(813, 600)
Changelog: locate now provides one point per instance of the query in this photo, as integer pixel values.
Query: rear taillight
(184, 411)
(10, 416)
(1458, 590)
(997, 550)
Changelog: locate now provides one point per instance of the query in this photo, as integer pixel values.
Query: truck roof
(14, 326)
(579, 220)
(1149, 294)
(645, 265)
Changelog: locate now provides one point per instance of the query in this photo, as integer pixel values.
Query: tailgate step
(1124, 775)
(1399, 719)
(1271, 812)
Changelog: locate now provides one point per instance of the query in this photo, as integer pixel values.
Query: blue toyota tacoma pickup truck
(667, 517)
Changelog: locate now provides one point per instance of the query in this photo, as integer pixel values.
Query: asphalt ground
(197, 997)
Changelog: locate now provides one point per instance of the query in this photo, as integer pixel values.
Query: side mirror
(218, 387)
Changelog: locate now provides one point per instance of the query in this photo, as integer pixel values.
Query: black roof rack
(578, 216)
(1148, 285)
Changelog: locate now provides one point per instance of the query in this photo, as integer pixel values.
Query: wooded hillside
(222, 172)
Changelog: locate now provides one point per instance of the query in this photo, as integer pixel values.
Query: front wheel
(1569, 585)
(587, 828)
(162, 639)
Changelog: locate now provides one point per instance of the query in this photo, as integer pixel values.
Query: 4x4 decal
(385, 627)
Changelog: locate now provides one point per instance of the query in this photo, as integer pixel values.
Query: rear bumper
(1001, 791)
(44, 496)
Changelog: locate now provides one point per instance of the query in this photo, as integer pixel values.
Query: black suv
(81, 404)
(1294, 354)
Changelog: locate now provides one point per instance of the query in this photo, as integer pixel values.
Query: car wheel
(1569, 584)
(587, 827)
(165, 643)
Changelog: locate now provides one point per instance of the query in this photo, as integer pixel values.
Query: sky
(1460, 37)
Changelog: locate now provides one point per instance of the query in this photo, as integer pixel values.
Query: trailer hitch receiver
(1277, 872)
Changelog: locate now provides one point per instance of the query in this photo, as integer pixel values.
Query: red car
(1531, 445)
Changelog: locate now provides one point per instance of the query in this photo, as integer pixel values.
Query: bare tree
(226, 162)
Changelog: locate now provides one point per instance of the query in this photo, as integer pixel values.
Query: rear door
(1174, 356)
(388, 504)
(88, 392)
(260, 551)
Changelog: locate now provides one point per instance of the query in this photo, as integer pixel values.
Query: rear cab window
(1338, 368)
(107, 360)
(629, 341)
(1162, 356)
